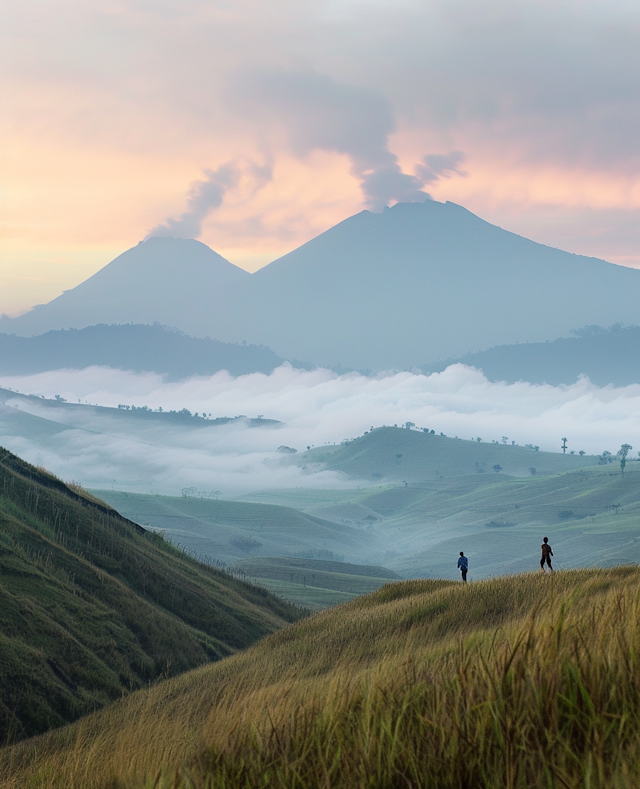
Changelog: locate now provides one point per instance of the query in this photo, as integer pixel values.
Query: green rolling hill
(93, 606)
(231, 530)
(398, 454)
(314, 583)
(591, 515)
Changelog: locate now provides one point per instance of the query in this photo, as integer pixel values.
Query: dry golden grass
(525, 681)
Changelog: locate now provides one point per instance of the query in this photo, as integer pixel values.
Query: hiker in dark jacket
(463, 566)
(547, 553)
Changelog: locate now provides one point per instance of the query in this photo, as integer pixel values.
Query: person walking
(547, 553)
(463, 566)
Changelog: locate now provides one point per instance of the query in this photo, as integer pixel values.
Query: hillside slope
(313, 583)
(131, 347)
(605, 357)
(232, 530)
(398, 454)
(514, 682)
(93, 606)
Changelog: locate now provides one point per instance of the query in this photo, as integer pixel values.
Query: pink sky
(111, 111)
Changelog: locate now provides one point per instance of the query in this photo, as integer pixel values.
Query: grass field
(313, 583)
(512, 683)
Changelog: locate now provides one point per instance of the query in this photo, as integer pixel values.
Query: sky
(315, 407)
(255, 126)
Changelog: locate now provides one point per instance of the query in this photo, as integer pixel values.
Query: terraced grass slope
(393, 453)
(231, 530)
(515, 682)
(314, 583)
(92, 606)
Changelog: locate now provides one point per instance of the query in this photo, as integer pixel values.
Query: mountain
(175, 281)
(516, 682)
(93, 606)
(605, 356)
(131, 347)
(377, 291)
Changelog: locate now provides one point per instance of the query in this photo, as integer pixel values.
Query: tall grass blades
(527, 681)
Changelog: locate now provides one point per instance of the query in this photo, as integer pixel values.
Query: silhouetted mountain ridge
(604, 356)
(132, 347)
(377, 291)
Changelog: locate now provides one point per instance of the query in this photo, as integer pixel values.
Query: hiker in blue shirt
(463, 566)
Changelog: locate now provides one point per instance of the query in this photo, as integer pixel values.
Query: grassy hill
(392, 453)
(231, 530)
(314, 583)
(591, 516)
(515, 682)
(92, 606)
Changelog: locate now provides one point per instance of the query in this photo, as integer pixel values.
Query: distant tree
(622, 455)
(479, 440)
(564, 445)
(505, 439)
(581, 453)
(533, 471)
(604, 458)
(497, 468)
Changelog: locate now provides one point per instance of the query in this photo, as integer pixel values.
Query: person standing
(547, 553)
(463, 566)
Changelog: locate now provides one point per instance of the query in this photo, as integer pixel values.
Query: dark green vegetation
(93, 606)
(606, 357)
(314, 583)
(132, 347)
(513, 683)
(398, 454)
(230, 530)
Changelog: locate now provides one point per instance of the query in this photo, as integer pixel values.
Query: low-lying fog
(316, 407)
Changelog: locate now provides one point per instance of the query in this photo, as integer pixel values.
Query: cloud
(316, 407)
